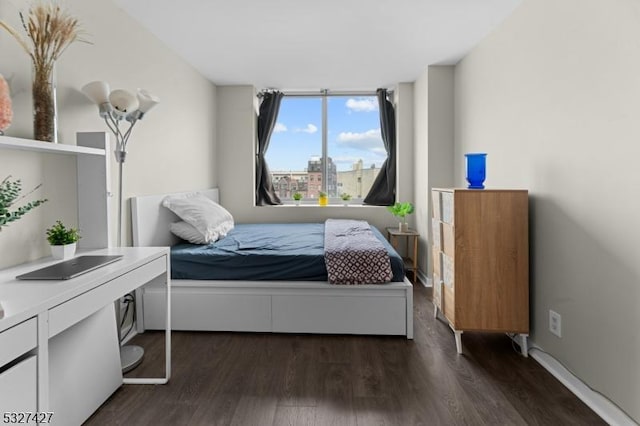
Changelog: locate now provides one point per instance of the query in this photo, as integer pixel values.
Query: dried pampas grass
(50, 30)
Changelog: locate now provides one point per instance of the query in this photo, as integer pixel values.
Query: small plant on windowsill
(401, 210)
(323, 198)
(297, 197)
(63, 240)
(345, 198)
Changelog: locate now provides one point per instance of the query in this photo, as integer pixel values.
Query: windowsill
(316, 205)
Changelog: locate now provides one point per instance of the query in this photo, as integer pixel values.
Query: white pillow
(209, 218)
(187, 232)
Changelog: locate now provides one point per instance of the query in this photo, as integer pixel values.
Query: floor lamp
(116, 108)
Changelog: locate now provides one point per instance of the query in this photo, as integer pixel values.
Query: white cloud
(369, 140)
(279, 127)
(309, 129)
(362, 104)
(355, 136)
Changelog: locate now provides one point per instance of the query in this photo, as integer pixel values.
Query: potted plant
(63, 241)
(401, 210)
(297, 197)
(345, 198)
(323, 198)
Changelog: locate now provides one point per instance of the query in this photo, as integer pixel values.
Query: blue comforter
(253, 252)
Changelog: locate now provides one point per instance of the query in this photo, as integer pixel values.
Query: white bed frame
(263, 306)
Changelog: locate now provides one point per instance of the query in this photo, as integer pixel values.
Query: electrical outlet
(555, 323)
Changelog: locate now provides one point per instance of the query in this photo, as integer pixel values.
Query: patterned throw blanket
(353, 254)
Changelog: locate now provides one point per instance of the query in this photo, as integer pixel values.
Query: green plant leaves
(401, 209)
(59, 235)
(9, 194)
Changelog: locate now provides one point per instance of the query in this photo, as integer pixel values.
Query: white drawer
(18, 340)
(437, 262)
(447, 207)
(436, 231)
(437, 205)
(18, 387)
(447, 270)
(343, 315)
(75, 310)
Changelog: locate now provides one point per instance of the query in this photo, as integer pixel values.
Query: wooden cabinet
(481, 261)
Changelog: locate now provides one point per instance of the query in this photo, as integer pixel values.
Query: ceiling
(310, 45)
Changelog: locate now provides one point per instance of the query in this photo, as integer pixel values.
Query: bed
(281, 306)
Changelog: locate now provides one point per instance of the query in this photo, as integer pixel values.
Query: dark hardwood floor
(279, 379)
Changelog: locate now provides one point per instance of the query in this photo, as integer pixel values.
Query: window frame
(324, 95)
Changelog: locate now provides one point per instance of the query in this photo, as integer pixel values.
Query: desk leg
(165, 380)
(43, 361)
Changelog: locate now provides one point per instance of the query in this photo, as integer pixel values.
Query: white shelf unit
(40, 367)
(94, 183)
(8, 142)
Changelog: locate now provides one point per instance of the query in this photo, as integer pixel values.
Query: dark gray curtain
(383, 190)
(265, 194)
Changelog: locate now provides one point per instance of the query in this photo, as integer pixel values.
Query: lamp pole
(116, 107)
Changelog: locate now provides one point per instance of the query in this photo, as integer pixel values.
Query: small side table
(410, 259)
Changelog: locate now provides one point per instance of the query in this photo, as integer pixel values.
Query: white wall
(172, 149)
(553, 96)
(404, 121)
(236, 142)
(434, 141)
(421, 169)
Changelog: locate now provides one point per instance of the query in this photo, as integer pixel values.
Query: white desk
(59, 350)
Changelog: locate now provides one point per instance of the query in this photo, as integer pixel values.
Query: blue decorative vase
(476, 170)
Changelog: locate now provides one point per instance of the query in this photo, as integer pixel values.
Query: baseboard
(426, 281)
(609, 412)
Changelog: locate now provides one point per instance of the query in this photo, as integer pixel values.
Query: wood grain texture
(449, 303)
(491, 260)
(448, 240)
(437, 262)
(279, 379)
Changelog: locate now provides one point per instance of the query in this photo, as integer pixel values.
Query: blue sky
(353, 132)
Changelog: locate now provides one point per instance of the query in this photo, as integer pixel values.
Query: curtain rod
(328, 93)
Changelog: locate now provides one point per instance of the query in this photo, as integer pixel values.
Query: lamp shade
(146, 100)
(123, 102)
(97, 91)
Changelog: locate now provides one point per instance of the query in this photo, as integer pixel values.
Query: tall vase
(45, 111)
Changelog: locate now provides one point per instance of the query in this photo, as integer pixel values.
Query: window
(328, 143)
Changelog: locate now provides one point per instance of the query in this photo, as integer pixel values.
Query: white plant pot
(403, 227)
(64, 252)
